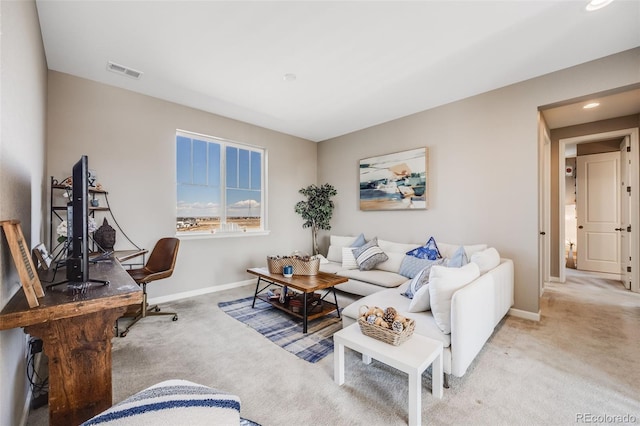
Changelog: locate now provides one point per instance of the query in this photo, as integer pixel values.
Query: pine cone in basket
(397, 326)
(389, 315)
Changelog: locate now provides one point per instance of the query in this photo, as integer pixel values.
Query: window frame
(224, 143)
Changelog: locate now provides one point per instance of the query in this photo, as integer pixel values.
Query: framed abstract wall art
(397, 181)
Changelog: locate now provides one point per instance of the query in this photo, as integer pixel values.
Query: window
(220, 186)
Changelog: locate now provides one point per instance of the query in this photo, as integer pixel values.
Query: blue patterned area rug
(286, 330)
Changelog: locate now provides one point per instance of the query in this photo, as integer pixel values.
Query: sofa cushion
(395, 252)
(443, 283)
(393, 262)
(348, 259)
(336, 242)
(369, 255)
(447, 250)
(393, 247)
(427, 251)
(425, 324)
(410, 265)
(381, 278)
(486, 259)
(331, 267)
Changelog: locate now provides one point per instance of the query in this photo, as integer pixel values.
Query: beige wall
(483, 167)
(628, 122)
(22, 151)
(130, 141)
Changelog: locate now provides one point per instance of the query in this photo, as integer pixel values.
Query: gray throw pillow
(369, 255)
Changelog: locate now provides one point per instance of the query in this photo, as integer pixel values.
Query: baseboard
(199, 292)
(519, 313)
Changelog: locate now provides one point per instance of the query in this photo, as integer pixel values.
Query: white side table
(412, 357)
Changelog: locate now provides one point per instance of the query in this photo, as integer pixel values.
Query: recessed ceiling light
(591, 105)
(289, 77)
(597, 4)
(121, 69)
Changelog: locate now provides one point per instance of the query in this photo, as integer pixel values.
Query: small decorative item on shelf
(385, 324)
(301, 264)
(105, 236)
(283, 295)
(314, 303)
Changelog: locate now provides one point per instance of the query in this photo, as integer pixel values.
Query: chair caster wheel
(123, 334)
(157, 309)
(175, 318)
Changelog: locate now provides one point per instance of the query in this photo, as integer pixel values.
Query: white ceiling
(357, 63)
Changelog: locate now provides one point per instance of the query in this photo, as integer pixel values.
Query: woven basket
(300, 267)
(385, 334)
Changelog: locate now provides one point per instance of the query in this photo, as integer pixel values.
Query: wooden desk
(76, 326)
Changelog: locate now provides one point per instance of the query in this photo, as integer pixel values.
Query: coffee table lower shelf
(327, 308)
(301, 284)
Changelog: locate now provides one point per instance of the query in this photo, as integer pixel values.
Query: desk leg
(338, 362)
(79, 352)
(415, 398)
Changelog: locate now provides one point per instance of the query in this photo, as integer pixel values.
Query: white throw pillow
(348, 258)
(421, 300)
(443, 283)
(486, 259)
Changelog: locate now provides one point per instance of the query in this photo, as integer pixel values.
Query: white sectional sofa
(464, 304)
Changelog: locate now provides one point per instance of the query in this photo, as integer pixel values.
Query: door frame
(635, 214)
(544, 206)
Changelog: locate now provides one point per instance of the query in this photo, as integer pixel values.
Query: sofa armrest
(476, 309)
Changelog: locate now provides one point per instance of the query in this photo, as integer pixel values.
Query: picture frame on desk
(43, 256)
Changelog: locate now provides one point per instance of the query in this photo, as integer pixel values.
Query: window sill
(200, 236)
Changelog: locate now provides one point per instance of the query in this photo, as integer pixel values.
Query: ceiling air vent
(121, 69)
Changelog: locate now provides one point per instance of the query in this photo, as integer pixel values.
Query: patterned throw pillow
(369, 255)
(410, 265)
(428, 251)
(421, 278)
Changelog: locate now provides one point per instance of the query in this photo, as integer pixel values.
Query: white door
(625, 213)
(598, 206)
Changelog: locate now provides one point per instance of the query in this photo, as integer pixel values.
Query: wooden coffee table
(304, 284)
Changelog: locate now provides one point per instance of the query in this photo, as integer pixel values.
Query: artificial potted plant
(317, 209)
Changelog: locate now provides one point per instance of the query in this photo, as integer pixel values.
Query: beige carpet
(582, 359)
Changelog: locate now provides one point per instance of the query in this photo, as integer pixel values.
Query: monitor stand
(89, 281)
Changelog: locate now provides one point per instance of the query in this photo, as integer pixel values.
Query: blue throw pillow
(459, 259)
(428, 251)
(359, 241)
